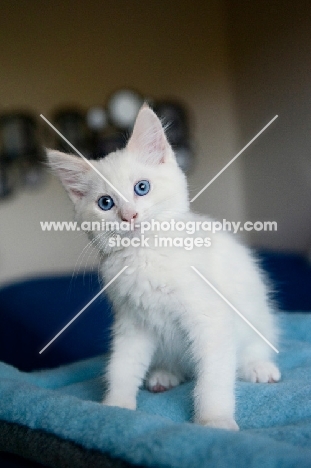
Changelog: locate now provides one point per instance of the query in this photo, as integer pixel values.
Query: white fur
(170, 325)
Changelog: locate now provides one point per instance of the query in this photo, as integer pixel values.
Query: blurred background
(227, 66)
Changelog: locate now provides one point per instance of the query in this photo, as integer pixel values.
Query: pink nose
(128, 216)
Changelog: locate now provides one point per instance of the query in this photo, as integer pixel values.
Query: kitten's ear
(148, 138)
(72, 172)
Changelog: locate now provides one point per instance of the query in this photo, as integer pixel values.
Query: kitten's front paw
(161, 380)
(226, 423)
(127, 403)
(260, 371)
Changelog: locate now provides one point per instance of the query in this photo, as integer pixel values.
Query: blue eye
(105, 203)
(142, 188)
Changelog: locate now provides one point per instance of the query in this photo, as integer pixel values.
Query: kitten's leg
(160, 380)
(132, 352)
(213, 348)
(256, 365)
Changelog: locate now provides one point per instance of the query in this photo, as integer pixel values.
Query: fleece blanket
(275, 419)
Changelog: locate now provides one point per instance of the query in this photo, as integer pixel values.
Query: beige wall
(64, 52)
(269, 49)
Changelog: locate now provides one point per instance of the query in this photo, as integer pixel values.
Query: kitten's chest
(147, 286)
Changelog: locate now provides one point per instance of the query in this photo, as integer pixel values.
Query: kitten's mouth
(128, 231)
(137, 227)
(132, 227)
(134, 230)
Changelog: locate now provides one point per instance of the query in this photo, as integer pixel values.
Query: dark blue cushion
(290, 274)
(32, 312)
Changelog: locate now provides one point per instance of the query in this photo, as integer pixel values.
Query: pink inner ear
(156, 145)
(158, 148)
(74, 184)
(71, 170)
(148, 137)
(77, 193)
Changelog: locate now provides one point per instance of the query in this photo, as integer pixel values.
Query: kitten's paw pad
(120, 402)
(261, 371)
(160, 381)
(226, 423)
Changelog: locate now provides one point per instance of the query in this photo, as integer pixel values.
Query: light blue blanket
(275, 419)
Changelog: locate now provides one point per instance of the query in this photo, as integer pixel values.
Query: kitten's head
(145, 173)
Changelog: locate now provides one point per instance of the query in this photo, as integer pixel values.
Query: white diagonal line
(82, 310)
(233, 159)
(83, 157)
(235, 310)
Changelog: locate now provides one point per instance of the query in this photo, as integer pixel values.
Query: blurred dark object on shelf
(104, 138)
(72, 124)
(21, 152)
(18, 136)
(184, 156)
(108, 143)
(97, 122)
(6, 186)
(94, 133)
(174, 117)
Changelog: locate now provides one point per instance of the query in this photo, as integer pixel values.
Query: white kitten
(169, 324)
